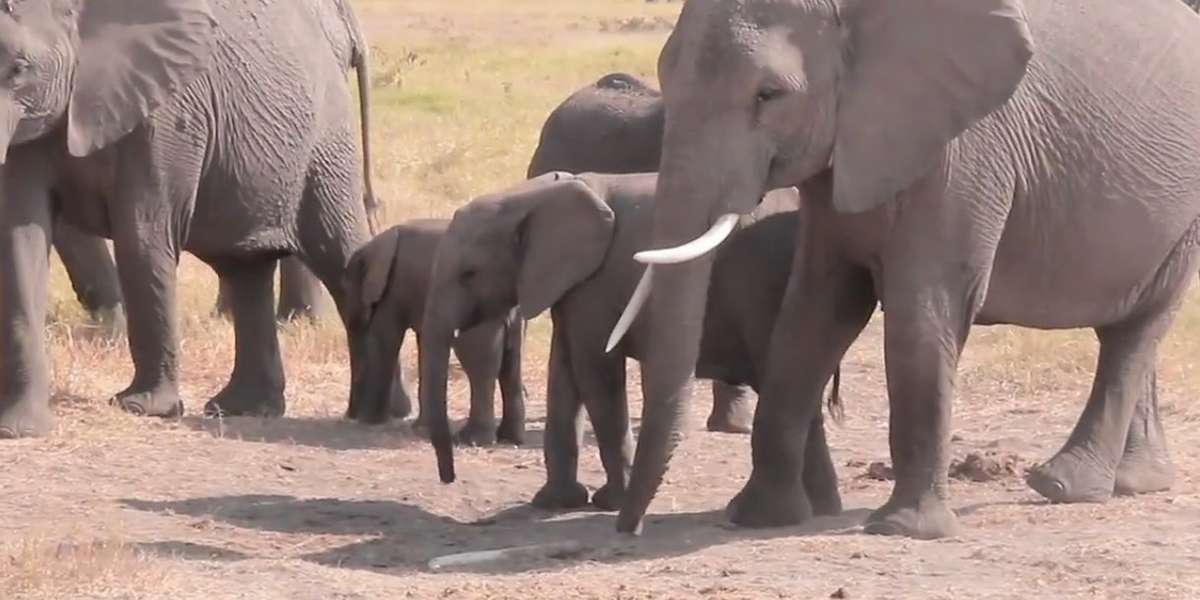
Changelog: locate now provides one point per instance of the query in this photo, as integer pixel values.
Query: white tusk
(455, 335)
(693, 249)
(640, 293)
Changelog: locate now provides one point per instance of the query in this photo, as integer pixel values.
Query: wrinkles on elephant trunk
(677, 304)
(10, 119)
(434, 358)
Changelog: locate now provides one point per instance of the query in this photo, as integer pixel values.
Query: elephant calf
(565, 243)
(387, 283)
(615, 125)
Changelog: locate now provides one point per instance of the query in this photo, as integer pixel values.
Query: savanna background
(310, 506)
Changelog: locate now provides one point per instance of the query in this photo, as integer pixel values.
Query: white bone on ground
(547, 550)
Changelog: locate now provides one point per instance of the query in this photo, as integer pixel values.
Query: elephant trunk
(435, 360)
(676, 308)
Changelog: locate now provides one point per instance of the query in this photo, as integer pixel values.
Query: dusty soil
(313, 507)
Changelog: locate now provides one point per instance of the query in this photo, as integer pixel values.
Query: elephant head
(525, 246)
(763, 94)
(95, 68)
(374, 323)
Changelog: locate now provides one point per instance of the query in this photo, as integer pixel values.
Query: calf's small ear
(375, 266)
(564, 236)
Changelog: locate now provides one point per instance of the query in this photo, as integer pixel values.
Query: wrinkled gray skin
(565, 243)
(615, 125)
(225, 129)
(89, 266)
(1001, 175)
(387, 283)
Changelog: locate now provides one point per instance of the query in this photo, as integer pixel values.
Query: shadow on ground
(404, 537)
(333, 434)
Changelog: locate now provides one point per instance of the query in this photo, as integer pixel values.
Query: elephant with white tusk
(564, 243)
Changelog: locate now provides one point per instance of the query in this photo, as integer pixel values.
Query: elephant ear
(564, 236)
(918, 73)
(132, 58)
(378, 261)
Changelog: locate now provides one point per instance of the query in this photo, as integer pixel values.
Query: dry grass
(79, 567)
(311, 507)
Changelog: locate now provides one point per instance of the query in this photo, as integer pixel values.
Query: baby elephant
(566, 243)
(387, 284)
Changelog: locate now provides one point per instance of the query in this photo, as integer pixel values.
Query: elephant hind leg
(512, 387)
(300, 293)
(1146, 465)
(1118, 443)
(256, 385)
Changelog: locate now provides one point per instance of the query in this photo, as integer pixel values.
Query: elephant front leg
(600, 381)
(24, 265)
(145, 215)
(479, 350)
(925, 327)
(732, 410)
(560, 448)
(823, 311)
(256, 386)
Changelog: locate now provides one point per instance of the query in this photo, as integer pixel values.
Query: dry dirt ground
(312, 507)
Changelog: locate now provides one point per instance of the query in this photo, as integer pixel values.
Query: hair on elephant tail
(360, 60)
(837, 410)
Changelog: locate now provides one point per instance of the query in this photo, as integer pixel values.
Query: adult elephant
(222, 128)
(962, 162)
(615, 125)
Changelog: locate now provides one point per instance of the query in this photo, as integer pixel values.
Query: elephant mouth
(705, 243)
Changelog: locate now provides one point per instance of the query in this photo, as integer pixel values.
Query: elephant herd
(951, 162)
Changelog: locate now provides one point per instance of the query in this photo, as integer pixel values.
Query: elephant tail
(360, 60)
(837, 410)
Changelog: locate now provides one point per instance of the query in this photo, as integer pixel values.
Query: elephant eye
(467, 274)
(768, 93)
(19, 67)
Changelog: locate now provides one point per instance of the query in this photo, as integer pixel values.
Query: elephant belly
(1089, 269)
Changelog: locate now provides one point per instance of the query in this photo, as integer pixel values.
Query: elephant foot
(925, 519)
(111, 320)
(247, 400)
(25, 418)
(511, 432)
(609, 497)
(733, 408)
(162, 401)
(728, 424)
(1069, 477)
(473, 434)
(561, 496)
(400, 405)
(1144, 472)
(761, 504)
